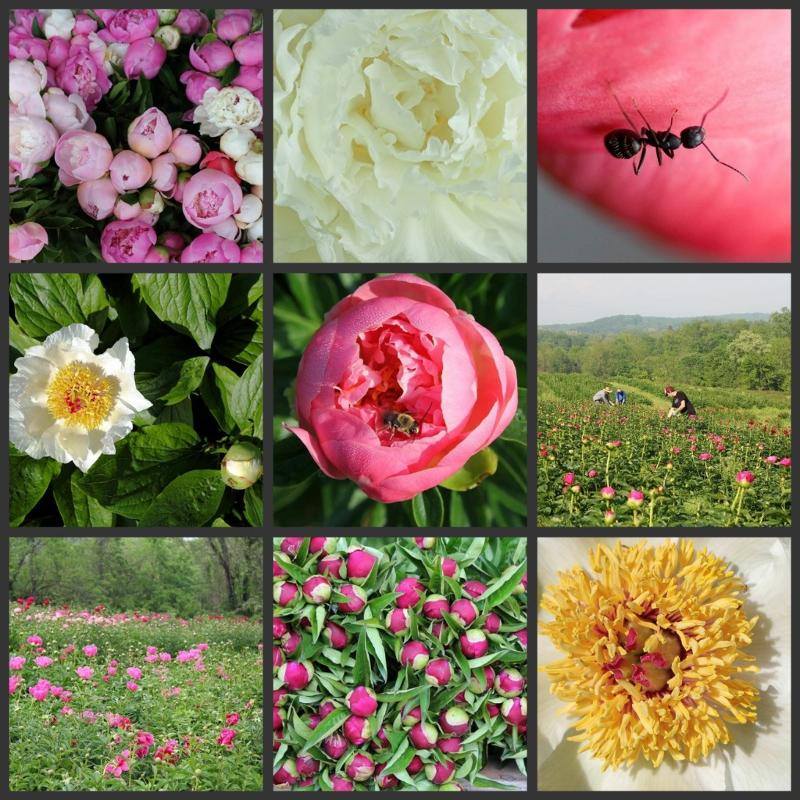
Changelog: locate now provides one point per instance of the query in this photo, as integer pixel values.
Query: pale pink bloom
(89, 716)
(165, 656)
(97, 198)
(153, 656)
(90, 650)
(29, 77)
(82, 73)
(40, 691)
(448, 372)
(129, 171)
(126, 241)
(134, 672)
(150, 134)
(112, 670)
(151, 650)
(32, 140)
(26, 241)
(210, 197)
(67, 113)
(186, 148)
(144, 57)
(84, 672)
(197, 84)
(82, 156)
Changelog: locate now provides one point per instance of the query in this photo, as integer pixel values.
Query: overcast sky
(575, 297)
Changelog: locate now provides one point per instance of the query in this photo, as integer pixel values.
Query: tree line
(185, 576)
(736, 354)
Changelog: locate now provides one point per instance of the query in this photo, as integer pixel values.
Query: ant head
(692, 137)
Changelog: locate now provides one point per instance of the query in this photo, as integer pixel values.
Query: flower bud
(236, 142)
(277, 570)
(385, 781)
(356, 601)
(465, 612)
(398, 620)
(296, 674)
(250, 211)
(323, 544)
(317, 589)
(515, 711)
(341, 784)
(383, 741)
(360, 767)
(440, 773)
(362, 701)
(166, 16)
(438, 672)
(449, 567)
(277, 659)
(286, 774)
(492, 623)
(635, 499)
(307, 766)
(290, 641)
(291, 545)
(357, 729)
(423, 736)
(335, 746)
(327, 707)
(509, 683)
(359, 564)
(435, 606)
(152, 201)
(279, 627)
(415, 654)
(279, 697)
(474, 644)
(454, 720)
(331, 565)
(242, 466)
(745, 478)
(284, 593)
(169, 36)
(412, 717)
(475, 684)
(335, 636)
(278, 717)
(426, 543)
(450, 745)
(411, 592)
(474, 588)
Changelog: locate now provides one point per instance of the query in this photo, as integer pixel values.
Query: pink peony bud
(609, 517)
(608, 492)
(475, 684)
(454, 720)
(331, 565)
(278, 717)
(415, 654)
(449, 567)
(435, 606)
(214, 56)
(144, 57)
(412, 717)
(515, 711)
(150, 134)
(335, 746)
(398, 620)
(317, 589)
(129, 171)
(26, 241)
(341, 784)
(635, 499)
(360, 767)
(362, 701)
(492, 623)
(592, 473)
(415, 766)
(474, 644)
(97, 198)
(509, 683)
(286, 774)
(327, 707)
(568, 479)
(296, 674)
(307, 766)
(745, 478)
(277, 658)
(313, 721)
(356, 601)
(440, 773)
(324, 544)
(284, 593)
(411, 592)
(451, 745)
(290, 641)
(186, 148)
(279, 697)
(493, 709)
(465, 612)
(423, 736)
(291, 545)
(474, 588)
(277, 570)
(383, 741)
(522, 637)
(385, 781)
(233, 24)
(249, 51)
(335, 635)
(438, 672)
(359, 564)
(426, 543)
(357, 729)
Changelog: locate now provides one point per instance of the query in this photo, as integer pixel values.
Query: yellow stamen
(82, 395)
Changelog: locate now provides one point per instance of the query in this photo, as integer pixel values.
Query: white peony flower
(223, 109)
(400, 136)
(236, 142)
(59, 22)
(255, 233)
(250, 167)
(169, 36)
(722, 720)
(114, 56)
(250, 211)
(70, 404)
(25, 78)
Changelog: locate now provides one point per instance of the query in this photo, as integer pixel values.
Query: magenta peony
(126, 241)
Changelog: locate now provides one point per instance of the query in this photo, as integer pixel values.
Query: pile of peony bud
(345, 575)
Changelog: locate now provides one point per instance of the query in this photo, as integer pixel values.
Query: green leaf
(297, 472)
(242, 339)
(133, 318)
(189, 302)
(46, 302)
(36, 29)
(92, 247)
(145, 462)
(247, 399)
(517, 431)
(474, 472)
(231, 71)
(110, 128)
(28, 481)
(427, 509)
(166, 76)
(17, 339)
(253, 505)
(187, 376)
(189, 501)
(219, 523)
(216, 390)
(78, 509)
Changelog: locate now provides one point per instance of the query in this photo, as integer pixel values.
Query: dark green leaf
(246, 402)
(28, 481)
(517, 431)
(78, 509)
(254, 506)
(427, 509)
(189, 501)
(46, 302)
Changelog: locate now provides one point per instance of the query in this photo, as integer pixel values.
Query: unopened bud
(242, 466)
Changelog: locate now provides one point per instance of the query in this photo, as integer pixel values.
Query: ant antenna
(610, 89)
(723, 163)
(633, 100)
(724, 95)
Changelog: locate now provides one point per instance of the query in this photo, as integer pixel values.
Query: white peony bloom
(59, 22)
(250, 167)
(250, 211)
(236, 142)
(114, 56)
(617, 619)
(169, 36)
(255, 233)
(25, 78)
(70, 404)
(223, 109)
(400, 136)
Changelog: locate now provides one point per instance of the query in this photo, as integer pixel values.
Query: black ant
(624, 143)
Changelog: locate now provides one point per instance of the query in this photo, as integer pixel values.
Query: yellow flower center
(81, 395)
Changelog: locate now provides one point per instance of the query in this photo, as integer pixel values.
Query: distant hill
(636, 322)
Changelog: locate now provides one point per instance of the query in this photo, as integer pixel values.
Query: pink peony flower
(252, 253)
(226, 737)
(233, 24)
(144, 57)
(251, 78)
(82, 156)
(191, 23)
(213, 56)
(132, 24)
(249, 51)
(635, 498)
(14, 682)
(745, 478)
(129, 171)
(463, 395)
(232, 719)
(210, 197)
(164, 173)
(608, 492)
(705, 456)
(84, 673)
(43, 661)
(31, 141)
(26, 241)
(186, 148)
(197, 84)
(35, 640)
(97, 198)
(83, 74)
(214, 159)
(134, 672)
(150, 134)
(16, 662)
(132, 686)
(126, 241)
(40, 691)
(210, 248)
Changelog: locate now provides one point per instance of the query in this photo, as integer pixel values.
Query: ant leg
(672, 119)
(633, 100)
(635, 168)
(722, 162)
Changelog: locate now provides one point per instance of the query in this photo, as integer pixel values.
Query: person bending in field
(621, 397)
(603, 396)
(681, 404)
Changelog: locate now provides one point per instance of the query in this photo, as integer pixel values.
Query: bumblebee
(400, 422)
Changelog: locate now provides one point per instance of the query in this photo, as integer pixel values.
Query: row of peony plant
(368, 728)
(57, 81)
